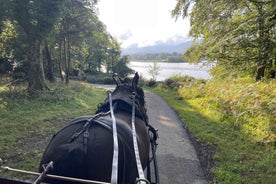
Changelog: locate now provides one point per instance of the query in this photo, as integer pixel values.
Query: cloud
(125, 36)
(176, 39)
(141, 21)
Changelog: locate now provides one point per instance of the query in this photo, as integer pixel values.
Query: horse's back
(87, 152)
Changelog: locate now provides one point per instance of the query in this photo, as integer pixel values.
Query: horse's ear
(116, 80)
(135, 80)
(121, 80)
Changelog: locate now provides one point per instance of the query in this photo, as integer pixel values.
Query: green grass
(237, 117)
(27, 123)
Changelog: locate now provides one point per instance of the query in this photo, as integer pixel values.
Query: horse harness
(108, 108)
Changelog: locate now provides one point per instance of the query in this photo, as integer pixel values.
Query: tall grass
(237, 116)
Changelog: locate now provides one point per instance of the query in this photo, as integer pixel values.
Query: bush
(152, 83)
(176, 82)
(99, 79)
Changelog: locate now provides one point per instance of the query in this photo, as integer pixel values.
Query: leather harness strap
(114, 172)
(140, 170)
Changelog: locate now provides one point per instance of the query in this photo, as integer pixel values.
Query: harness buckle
(85, 137)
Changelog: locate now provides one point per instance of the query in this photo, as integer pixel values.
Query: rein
(114, 173)
(135, 144)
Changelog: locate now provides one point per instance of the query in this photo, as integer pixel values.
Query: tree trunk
(99, 65)
(66, 58)
(272, 71)
(61, 72)
(263, 43)
(260, 71)
(50, 68)
(36, 77)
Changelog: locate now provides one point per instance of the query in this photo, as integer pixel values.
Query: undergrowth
(28, 123)
(237, 117)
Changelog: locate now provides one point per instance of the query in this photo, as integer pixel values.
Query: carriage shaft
(54, 176)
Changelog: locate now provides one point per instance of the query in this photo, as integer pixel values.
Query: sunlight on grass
(237, 116)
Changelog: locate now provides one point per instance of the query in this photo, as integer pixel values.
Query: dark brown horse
(84, 148)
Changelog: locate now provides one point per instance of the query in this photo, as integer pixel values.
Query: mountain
(172, 45)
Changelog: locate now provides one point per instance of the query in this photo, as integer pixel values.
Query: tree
(50, 65)
(121, 67)
(34, 20)
(81, 33)
(113, 58)
(239, 35)
(45, 37)
(94, 49)
(8, 36)
(154, 70)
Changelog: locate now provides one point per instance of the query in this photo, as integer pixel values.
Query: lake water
(171, 69)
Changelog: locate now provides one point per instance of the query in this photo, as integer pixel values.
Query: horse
(84, 148)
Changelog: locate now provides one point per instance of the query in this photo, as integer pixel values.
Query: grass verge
(237, 117)
(27, 124)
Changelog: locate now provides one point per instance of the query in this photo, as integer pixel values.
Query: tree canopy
(238, 35)
(41, 39)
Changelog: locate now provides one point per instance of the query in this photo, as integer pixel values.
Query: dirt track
(176, 156)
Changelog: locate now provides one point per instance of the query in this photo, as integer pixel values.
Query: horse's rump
(86, 151)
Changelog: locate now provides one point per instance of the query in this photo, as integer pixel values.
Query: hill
(169, 46)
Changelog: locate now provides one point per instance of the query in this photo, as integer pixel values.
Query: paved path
(177, 159)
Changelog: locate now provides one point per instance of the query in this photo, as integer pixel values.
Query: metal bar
(43, 174)
(54, 176)
(156, 172)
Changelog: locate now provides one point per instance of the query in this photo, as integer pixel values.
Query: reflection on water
(171, 69)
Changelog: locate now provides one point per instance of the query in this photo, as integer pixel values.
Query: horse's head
(124, 92)
(129, 86)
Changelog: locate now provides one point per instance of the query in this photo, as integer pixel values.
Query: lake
(167, 70)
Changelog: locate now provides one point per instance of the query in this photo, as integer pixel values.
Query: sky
(141, 22)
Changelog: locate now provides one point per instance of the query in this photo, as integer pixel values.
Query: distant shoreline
(167, 70)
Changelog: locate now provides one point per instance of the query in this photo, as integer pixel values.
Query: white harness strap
(114, 173)
(136, 149)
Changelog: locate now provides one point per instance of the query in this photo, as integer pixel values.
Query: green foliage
(56, 38)
(237, 34)
(151, 83)
(121, 67)
(8, 41)
(177, 81)
(154, 70)
(7, 35)
(237, 117)
(99, 78)
(27, 124)
(35, 18)
(175, 59)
